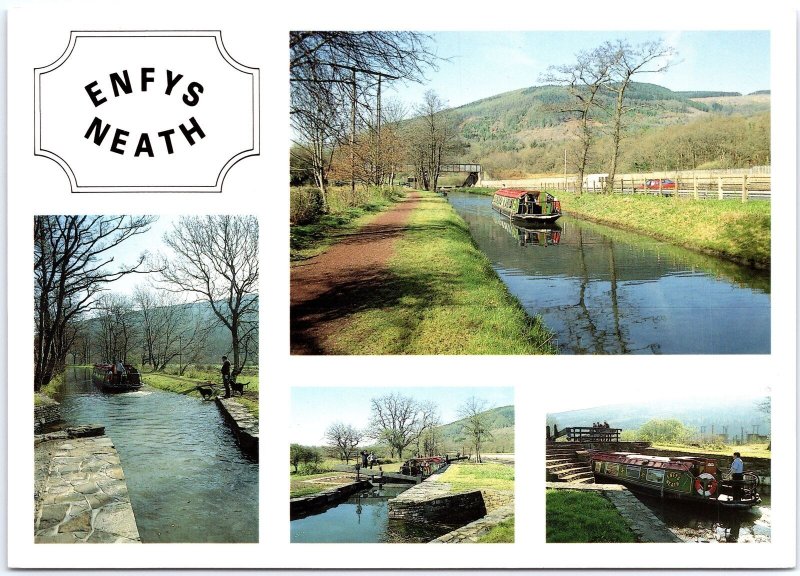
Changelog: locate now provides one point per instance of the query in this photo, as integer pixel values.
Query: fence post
(719, 187)
(744, 188)
(694, 177)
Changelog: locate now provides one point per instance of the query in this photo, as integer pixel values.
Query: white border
(32, 192)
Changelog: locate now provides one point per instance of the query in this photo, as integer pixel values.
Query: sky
(314, 409)
(482, 64)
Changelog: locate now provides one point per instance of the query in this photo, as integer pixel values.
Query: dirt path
(328, 288)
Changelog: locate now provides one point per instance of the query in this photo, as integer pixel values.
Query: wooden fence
(699, 187)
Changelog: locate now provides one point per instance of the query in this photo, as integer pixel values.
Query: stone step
(564, 466)
(574, 470)
(559, 460)
(575, 476)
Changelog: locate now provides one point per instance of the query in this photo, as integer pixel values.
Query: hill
(525, 131)
(733, 413)
(501, 426)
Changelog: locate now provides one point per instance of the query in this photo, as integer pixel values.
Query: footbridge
(472, 169)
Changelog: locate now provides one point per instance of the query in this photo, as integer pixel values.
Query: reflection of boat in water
(526, 205)
(690, 478)
(537, 235)
(110, 380)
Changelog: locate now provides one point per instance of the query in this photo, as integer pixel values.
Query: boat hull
(666, 482)
(112, 383)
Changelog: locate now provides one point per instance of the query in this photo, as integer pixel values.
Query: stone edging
(642, 522)
(474, 530)
(243, 423)
(313, 502)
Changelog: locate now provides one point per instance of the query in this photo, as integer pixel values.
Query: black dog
(236, 387)
(205, 392)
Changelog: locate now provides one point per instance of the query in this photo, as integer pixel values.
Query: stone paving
(81, 494)
(644, 524)
(474, 530)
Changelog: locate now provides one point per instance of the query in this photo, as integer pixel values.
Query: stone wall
(432, 502)
(313, 503)
(474, 530)
(46, 413)
(243, 424)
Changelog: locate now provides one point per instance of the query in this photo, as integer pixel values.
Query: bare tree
(433, 138)
(117, 325)
(585, 80)
(428, 440)
(72, 264)
(334, 72)
(344, 439)
(398, 421)
(216, 259)
(476, 423)
(627, 61)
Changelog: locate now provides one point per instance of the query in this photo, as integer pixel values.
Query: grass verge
(440, 296)
(487, 476)
(582, 516)
(185, 385)
(503, 533)
(746, 450)
(52, 388)
(725, 228)
(311, 238)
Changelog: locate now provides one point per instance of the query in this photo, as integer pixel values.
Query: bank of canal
(364, 518)
(187, 478)
(608, 291)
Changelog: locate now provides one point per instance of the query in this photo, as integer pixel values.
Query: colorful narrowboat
(109, 379)
(527, 205)
(423, 466)
(690, 478)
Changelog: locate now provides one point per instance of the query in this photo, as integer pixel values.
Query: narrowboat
(689, 478)
(109, 379)
(526, 205)
(423, 466)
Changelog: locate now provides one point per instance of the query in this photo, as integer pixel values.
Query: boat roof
(677, 463)
(516, 192)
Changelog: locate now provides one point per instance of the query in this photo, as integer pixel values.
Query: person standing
(226, 376)
(737, 475)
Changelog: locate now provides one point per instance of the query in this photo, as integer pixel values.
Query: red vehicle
(658, 184)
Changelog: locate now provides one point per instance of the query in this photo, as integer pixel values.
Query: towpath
(327, 289)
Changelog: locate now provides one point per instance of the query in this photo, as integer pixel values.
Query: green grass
(186, 385)
(746, 450)
(488, 476)
(724, 228)
(346, 214)
(441, 296)
(583, 516)
(53, 386)
(503, 533)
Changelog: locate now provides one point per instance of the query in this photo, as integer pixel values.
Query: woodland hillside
(525, 132)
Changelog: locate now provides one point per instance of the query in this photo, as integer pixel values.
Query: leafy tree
(299, 454)
(72, 265)
(664, 431)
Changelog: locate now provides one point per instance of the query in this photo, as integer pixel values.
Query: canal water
(364, 518)
(187, 479)
(709, 525)
(608, 291)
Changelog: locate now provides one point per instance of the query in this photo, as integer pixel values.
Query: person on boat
(120, 367)
(226, 376)
(737, 475)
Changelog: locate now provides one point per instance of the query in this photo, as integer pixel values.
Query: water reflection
(364, 518)
(707, 524)
(607, 291)
(187, 479)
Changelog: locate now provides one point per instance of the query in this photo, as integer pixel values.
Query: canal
(609, 291)
(694, 524)
(364, 518)
(187, 479)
